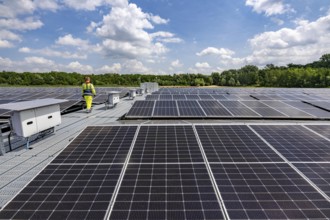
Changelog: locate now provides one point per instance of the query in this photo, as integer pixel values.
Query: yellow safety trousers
(89, 100)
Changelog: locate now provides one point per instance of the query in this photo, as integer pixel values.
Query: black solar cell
(268, 191)
(295, 143)
(190, 108)
(213, 108)
(234, 143)
(141, 109)
(238, 109)
(66, 192)
(263, 109)
(321, 129)
(100, 144)
(288, 109)
(317, 112)
(166, 144)
(318, 173)
(165, 108)
(166, 191)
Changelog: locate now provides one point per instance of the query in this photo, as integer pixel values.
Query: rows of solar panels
(272, 92)
(195, 171)
(73, 95)
(226, 109)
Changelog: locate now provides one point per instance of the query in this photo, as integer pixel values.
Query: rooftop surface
(279, 155)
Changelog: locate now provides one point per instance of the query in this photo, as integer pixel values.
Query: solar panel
(268, 191)
(238, 109)
(219, 97)
(152, 97)
(263, 109)
(166, 191)
(79, 182)
(99, 144)
(321, 104)
(309, 109)
(321, 129)
(205, 97)
(192, 97)
(295, 143)
(141, 108)
(287, 109)
(165, 108)
(165, 97)
(179, 97)
(166, 144)
(66, 192)
(190, 108)
(213, 108)
(234, 143)
(318, 173)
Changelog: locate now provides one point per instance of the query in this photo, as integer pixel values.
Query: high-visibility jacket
(88, 89)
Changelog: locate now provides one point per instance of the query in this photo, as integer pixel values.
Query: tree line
(315, 74)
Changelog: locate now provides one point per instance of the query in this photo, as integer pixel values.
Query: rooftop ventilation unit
(113, 99)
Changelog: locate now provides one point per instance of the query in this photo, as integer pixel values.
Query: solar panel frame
(263, 110)
(321, 129)
(166, 109)
(69, 190)
(235, 144)
(212, 108)
(295, 143)
(267, 191)
(318, 173)
(288, 109)
(166, 144)
(238, 109)
(317, 112)
(141, 109)
(166, 191)
(99, 144)
(190, 108)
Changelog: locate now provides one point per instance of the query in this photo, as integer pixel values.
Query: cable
(9, 142)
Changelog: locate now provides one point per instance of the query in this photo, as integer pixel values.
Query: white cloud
(88, 5)
(68, 40)
(46, 4)
(165, 37)
(5, 63)
(79, 68)
(303, 44)
(8, 35)
(158, 20)
(91, 5)
(40, 64)
(203, 65)
(124, 34)
(176, 63)
(134, 66)
(13, 8)
(21, 25)
(269, 7)
(277, 21)
(39, 61)
(222, 52)
(5, 44)
(24, 50)
(126, 24)
(53, 53)
(115, 68)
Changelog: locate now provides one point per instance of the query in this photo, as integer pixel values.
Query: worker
(88, 92)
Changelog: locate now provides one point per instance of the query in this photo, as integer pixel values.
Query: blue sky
(160, 36)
